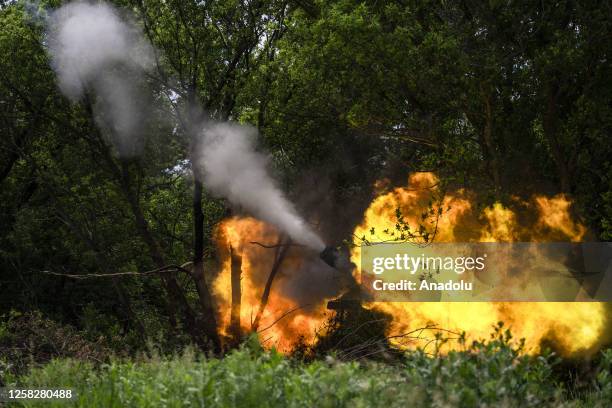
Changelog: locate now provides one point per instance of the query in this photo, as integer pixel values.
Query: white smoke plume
(233, 168)
(94, 48)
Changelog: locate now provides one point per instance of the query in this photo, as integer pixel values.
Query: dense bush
(490, 373)
(30, 338)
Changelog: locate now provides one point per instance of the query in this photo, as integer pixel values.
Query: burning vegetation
(288, 295)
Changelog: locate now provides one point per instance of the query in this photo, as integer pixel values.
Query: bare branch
(275, 245)
(165, 269)
(283, 316)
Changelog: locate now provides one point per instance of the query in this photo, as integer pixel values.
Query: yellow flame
(574, 327)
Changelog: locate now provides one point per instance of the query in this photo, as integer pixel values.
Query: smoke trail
(232, 168)
(92, 47)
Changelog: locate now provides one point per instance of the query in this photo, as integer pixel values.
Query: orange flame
(283, 323)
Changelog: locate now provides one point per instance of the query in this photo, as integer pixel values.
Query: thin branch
(282, 317)
(168, 268)
(275, 245)
(279, 256)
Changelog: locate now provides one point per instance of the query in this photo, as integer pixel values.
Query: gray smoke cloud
(94, 48)
(232, 168)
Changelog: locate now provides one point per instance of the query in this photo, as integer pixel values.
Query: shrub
(27, 338)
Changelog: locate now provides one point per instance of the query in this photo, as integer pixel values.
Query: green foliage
(343, 93)
(488, 374)
(606, 222)
(604, 377)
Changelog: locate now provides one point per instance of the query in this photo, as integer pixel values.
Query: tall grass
(492, 374)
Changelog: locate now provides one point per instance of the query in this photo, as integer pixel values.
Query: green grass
(487, 374)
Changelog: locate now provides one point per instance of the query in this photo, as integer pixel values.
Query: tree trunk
(551, 133)
(487, 136)
(177, 303)
(208, 312)
(236, 275)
